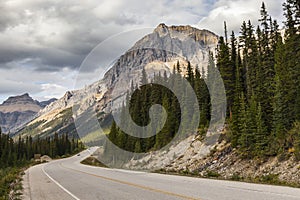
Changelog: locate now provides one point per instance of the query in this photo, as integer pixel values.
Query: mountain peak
(25, 95)
(24, 98)
(162, 25)
(17, 110)
(22, 103)
(173, 27)
(204, 36)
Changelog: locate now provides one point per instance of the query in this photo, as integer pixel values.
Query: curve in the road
(132, 184)
(68, 179)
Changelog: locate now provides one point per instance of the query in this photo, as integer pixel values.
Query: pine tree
(227, 70)
(178, 68)
(164, 136)
(190, 74)
(261, 139)
(282, 111)
(225, 33)
(242, 126)
(266, 72)
(215, 87)
(265, 25)
(112, 136)
(236, 112)
(137, 146)
(251, 128)
(203, 97)
(250, 58)
(289, 11)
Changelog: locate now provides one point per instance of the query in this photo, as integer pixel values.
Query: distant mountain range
(18, 110)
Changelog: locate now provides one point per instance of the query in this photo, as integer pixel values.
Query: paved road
(68, 179)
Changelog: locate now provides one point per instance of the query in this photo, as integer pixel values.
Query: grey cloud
(8, 18)
(18, 79)
(61, 33)
(44, 58)
(13, 87)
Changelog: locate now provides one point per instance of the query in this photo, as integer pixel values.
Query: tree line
(15, 153)
(18, 153)
(140, 99)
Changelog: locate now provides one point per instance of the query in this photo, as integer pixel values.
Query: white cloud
(50, 90)
(234, 12)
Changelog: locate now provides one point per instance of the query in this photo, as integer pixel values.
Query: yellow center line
(134, 185)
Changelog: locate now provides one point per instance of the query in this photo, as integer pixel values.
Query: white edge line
(59, 185)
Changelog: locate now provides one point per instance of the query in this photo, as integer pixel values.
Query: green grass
(94, 136)
(212, 174)
(10, 180)
(32, 129)
(61, 124)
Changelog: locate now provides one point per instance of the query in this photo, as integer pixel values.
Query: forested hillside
(260, 70)
(261, 74)
(142, 98)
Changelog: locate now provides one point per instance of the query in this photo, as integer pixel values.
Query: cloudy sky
(44, 42)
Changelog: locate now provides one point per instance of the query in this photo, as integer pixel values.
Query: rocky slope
(18, 110)
(194, 157)
(157, 52)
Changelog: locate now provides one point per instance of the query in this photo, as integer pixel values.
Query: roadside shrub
(236, 177)
(270, 179)
(212, 174)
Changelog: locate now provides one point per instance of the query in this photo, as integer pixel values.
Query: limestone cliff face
(156, 52)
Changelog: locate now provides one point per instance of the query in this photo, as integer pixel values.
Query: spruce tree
(266, 72)
(112, 136)
(227, 71)
(261, 138)
(190, 74)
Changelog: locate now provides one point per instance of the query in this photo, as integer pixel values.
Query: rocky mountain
(43, 104)
(18, 110)
(157, 52)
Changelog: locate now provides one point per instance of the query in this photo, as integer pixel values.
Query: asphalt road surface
(68, 179)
